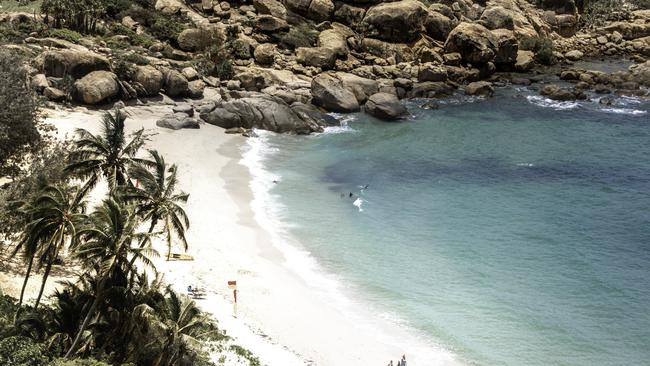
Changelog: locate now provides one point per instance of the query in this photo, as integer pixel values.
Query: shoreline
(364, 319)
(284, 317)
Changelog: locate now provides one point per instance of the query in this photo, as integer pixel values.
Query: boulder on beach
(96, 87)
(176, 85)
(74, 63)
(178, 121)
(385, 106)
(150, 78)
(481, 88)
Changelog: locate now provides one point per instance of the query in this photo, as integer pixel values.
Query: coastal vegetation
(118, 310)
(18, 114)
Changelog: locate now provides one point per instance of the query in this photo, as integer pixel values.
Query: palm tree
(158, 200)
(56, 213)
(107, 154)
(107, 244)
(29, 247)
(176, 329)
(52, 217)
(25, 244)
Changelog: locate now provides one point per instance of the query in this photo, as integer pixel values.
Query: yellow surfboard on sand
(180, 257)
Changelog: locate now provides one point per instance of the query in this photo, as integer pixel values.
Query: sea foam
(550, 103)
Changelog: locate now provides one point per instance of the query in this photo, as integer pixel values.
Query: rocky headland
(282, 65)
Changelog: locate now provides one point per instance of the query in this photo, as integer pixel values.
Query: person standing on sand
(403, 360)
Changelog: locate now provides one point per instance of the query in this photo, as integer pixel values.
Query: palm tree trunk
(169, 240)
(29, 270)
(89, 315)
(151, 227)
(45, 276)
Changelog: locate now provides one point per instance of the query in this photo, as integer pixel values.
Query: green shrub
(17, 32)
(77, 362)
(167, 27)
(300, 36)
(240, 49)
(542, 47)
(135, 39)
(117, 42)
(21, 351)
(598, 12)
(8, 308)
(136, 59)
(224, 70)
(114, 8)
(544, 53)
(65, 34)
(124, 70)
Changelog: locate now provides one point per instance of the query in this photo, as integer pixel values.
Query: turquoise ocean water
(511, 231)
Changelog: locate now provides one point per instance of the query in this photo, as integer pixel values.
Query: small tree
(18, 114)
(78, 15)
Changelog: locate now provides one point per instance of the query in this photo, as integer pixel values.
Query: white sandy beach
(289, 313)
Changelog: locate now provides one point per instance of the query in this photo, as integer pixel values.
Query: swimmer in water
(351, 195)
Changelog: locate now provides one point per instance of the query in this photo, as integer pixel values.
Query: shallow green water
(513, 231)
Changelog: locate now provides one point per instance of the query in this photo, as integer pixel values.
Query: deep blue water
(513, 230)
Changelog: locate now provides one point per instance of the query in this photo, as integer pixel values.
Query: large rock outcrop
(505, 46)
(257, 110)
(322, 57)
(258, 78)
(270, 7)
(400, 21)
(472, 41)
(335, 40)
(196, 39)
(329, 92)
(478, 45)
(318, 10)
(74, 63)
(641, 73)
(96, 87)
(628, 30)
(438, 25)
(168, 6)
